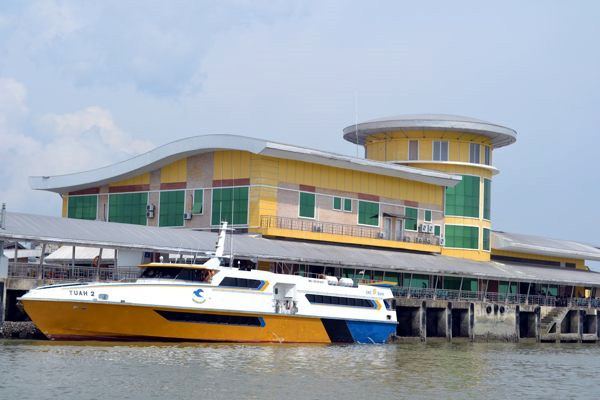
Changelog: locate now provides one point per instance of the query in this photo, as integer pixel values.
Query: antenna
(356, 120)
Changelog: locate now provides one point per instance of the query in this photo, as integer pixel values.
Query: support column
(423, 321)
(449, 322)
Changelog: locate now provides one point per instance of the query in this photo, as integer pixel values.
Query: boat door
(284, 298)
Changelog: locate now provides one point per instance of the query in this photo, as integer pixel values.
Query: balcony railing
(307, 225)
(65, 273)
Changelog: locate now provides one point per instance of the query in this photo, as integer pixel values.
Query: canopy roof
(169, 240)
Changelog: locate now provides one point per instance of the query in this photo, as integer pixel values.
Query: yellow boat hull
(70, 320)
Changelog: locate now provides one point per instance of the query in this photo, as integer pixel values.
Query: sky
(86, 84)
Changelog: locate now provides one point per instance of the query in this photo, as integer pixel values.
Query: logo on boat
(199, 296)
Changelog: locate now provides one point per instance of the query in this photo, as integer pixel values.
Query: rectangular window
(198, 207)
(337, 203)
(306, 204)
(368, 213)
(462, 237)
(440, 150)
(410, 221)
(474, 152)
(231, 205)
(427, 215)
(83, 207)
(128, 208)
(348, 205)
(171, 208)
(463, 199)
(342, 204)
(437, 230)
(413, 149)
(486, 239)
(487, 198)
(487, 155)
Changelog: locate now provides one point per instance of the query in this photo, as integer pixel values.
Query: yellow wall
(143, 179)
(65, 205)
(231, 164)
(579, 264)
(174, 172)
(394, 146)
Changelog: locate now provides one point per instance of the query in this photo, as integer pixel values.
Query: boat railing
(65, 273)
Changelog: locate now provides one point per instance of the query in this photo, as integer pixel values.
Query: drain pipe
(3, 216)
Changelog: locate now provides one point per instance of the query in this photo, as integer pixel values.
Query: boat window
(388, 304)
(342, 301)
(184, 274)
(231, 281)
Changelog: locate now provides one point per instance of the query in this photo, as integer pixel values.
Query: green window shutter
(337, 203)
(486, 239)
(231, 205)
(348, 205)
(198, 207)
(306, 205)
(368, 213)
(128, 208)
(83, 207)
(462, 237)
(410, 221)
(487, 198)
(437, 230)
(427, 215)
(171, 208)
(463, 199)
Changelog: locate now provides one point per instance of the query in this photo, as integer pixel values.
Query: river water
(93, 370)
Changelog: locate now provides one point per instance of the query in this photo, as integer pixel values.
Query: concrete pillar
(449, 322)
(423, 321)
(471, 321)
(538, 324)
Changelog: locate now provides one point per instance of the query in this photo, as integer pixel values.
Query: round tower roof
(499, 135)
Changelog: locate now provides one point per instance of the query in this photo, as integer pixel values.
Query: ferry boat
(214, 302)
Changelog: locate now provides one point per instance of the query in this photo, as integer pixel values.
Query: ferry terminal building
(423, 189)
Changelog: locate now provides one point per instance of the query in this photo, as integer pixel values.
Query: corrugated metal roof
(65, 253)
(178, 149)
(543, 246)
(170, 240)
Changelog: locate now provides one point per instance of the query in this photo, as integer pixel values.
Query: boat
(216, 303)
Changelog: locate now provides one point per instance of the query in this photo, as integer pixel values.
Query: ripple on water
(93, 370)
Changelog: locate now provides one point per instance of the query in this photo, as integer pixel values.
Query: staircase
(550, 324)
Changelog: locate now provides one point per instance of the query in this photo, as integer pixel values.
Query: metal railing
(63, 273)
(466, 295)
(307, 225)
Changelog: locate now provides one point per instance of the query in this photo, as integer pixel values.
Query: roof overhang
(529, 244)
(499, 135)
(183, 241)
(173, 151)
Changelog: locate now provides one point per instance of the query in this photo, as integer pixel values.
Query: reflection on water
(95, 370)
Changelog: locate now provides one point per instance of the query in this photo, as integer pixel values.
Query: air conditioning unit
(423, 228)
(442, 241)
(316, 228)
(149, 214)
(406, 238)
(150, 208)
(381, 235)
(428, 240)
(187, 216)
(430, 228)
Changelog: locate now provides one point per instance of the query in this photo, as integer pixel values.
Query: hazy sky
(84, 84)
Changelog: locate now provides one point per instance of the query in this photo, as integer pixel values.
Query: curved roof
(168, 153)
(499, 135)
(531, 244)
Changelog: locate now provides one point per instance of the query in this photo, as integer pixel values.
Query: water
(55, 370)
